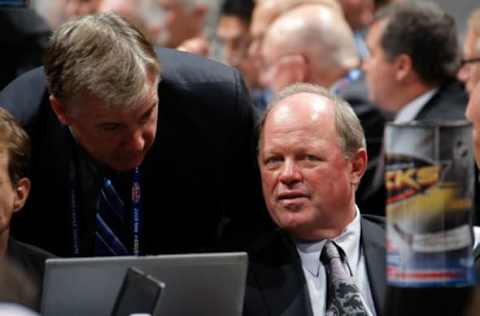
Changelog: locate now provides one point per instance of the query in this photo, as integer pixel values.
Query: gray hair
(349, 130)
(101, 55)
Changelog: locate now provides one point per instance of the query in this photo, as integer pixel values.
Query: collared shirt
(410, 111)
(315, 273)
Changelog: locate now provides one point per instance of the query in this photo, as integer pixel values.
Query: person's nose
(290, 173)
(136, 141)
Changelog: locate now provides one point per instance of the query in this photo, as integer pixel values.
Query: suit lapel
(282, 281)
(373, 242)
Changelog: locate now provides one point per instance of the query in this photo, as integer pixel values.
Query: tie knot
(330, 251)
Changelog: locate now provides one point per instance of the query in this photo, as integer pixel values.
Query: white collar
(348, 240)
(410, 111)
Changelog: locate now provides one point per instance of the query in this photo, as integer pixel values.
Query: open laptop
(196, 284)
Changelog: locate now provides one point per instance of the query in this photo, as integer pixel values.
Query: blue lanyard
(136, 211)
(137, 220)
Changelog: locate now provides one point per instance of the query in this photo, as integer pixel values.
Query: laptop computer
(196, 284)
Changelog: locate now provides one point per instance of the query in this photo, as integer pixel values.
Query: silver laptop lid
(198, 284)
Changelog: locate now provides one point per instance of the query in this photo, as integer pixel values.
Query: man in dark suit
(95, 131)
(312, 156)
(414, 56)
(14, 190)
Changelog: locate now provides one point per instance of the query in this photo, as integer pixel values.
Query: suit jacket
(200, 182)
(31, 260)
(276, 283)
(447, 104)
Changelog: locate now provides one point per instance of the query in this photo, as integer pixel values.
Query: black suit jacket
(200, 182)
(31, 261)
(447, 104)
(276, 284)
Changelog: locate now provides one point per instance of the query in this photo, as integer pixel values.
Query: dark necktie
(110, 223)
(343, 296)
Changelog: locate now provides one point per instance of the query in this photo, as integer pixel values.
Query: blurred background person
(147, 15)
(81, 7)
(52, 11)
(312, 43)
(185, 21)
(469, 73)
(359, 15)
(264, 13)
(411, 69)
(233, 33)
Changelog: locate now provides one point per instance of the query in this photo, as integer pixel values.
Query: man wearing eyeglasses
(470, 71)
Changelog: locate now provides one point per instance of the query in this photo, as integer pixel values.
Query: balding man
(313, 43)
(265, 12)
(312, 156)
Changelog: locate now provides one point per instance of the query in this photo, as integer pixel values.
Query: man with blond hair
(135, 151)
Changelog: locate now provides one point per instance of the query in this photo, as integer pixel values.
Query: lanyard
(136, 211)
(137, 220)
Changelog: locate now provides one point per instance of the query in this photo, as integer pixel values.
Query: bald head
(318, 33)
(266, 11)
(309, 171)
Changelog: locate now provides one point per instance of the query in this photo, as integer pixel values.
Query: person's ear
(359, 162)
(403, 67)
(59, 109)
(300, 68)
(22, 189)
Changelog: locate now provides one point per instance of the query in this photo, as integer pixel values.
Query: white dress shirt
(410, 111)
(315, 274)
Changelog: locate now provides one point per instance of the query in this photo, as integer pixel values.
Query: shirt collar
(410, 111)
(348, 240)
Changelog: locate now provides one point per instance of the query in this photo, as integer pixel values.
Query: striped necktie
(111, 225)
(343, 296)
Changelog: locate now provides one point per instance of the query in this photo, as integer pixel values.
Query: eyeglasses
(468, 61)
